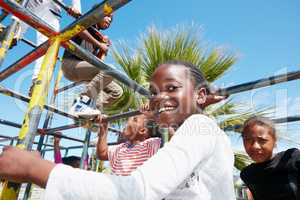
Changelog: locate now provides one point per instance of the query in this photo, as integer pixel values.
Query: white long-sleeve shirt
(197, 164)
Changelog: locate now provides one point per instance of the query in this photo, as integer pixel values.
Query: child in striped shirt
(127, 156)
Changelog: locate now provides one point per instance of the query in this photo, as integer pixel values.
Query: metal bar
(8, 137)
(92, 59)
(9, 35)
(92, 17)
(67, 8)
(57, 111)
(85, 149)
(66, 137)
(114, 130)
(32, 117)
(80, 147)
(287, 119)
(272, 80)
(7, 39)
(3, 15)
(69, 86)
(12, 142)
(42, 131)
(123, 115)
(49, 113)
(61, 128)
(9, 123)
(27, 16)
(30, 43)
(24, 61)
(84, 22)
(21, 97)
(276, 121)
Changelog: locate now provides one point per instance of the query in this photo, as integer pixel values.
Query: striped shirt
(125, 158)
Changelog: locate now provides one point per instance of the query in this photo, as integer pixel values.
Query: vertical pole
(9, 35)
(164, 132)
(85, 149)
(46, 125)
(32, 117)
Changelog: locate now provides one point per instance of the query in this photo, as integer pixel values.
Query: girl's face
(173, 95)
(133, 127)
(105, 23)
(259, 143)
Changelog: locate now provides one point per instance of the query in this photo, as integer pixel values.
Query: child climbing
(127, 156)
(101, 87)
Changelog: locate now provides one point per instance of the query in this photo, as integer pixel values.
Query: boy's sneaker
(82, 108)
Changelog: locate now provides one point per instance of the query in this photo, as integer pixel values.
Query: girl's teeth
(165, 109)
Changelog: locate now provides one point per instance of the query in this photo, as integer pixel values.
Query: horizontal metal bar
(115, 130)
(272, 80)
(276, 121)
(30, 43)
(287, 119)
(8, 137)
(14, 94)
(123, 115)
(69, 86)
(24, 61)
(61, 128)
(65, 137)
(21, 97)
(45, 131)
(9, 123)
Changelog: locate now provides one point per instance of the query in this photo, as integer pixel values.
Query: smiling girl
(196, 164)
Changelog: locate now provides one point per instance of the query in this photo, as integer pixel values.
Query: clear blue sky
(265, 35)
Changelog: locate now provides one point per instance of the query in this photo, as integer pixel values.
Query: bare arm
(17, 165)
(85, 35)
(102, 147)
(57, 154)
(249, 194)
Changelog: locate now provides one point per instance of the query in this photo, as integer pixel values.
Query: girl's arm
(192, 145)
(75, 10)
(85, 35)
(57, 154)
(249, 194)
(102, 147)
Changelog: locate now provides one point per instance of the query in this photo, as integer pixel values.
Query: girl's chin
(169, 120)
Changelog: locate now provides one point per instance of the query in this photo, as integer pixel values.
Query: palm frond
(235, 122)
(130, 62)
(226, 108)
(216, 64)
(241, 160)
(127, 102)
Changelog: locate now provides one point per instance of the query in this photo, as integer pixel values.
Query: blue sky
(264, 35)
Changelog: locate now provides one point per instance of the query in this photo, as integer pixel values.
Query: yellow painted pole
(32, 117)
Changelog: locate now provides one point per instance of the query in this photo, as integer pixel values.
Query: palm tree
(180, 43)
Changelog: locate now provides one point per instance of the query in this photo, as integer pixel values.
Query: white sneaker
(82, 108)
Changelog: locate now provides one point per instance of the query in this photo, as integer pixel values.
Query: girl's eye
(171, 88)
(262, 141)
(153, 94)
